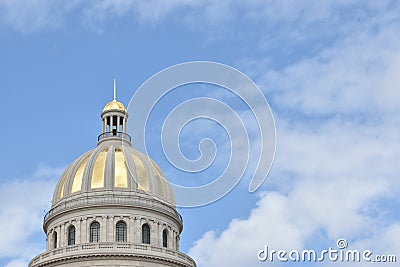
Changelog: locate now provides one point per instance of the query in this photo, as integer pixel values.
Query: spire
(114, 117)
(114, 104)
(115, 89)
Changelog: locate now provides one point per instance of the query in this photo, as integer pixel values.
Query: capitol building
(113, 206)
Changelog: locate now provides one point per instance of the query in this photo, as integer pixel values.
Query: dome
(113, 206)
(113, 167)
(114, 105)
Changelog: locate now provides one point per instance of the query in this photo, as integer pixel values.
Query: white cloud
(239, 243)
(292, 18)
(17, 263)
(30, 16)
(355, 75)
(337, 124)
(23, 203)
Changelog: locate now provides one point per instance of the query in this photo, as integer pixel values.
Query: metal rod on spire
(115, 89)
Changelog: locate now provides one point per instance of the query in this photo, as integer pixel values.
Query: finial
(115, 89)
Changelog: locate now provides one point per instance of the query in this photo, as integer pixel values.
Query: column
(124, 125)
(177, 238)
(47, 241)
(78, 231)
(84, 235)
(58, 230)
(62, 235)
(103, 229)
(171, 239)
(175, 245)
(159, 235)
(131, 230)
(138, 231)
(153, 233)
(111, 124)
(51, 243)
(118, 120)
(110, 230)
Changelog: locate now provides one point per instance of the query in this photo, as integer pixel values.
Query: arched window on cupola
(165, 238)
(145, 234)
(71, 235)
(55, 240)
(120, 231)
(94, 234)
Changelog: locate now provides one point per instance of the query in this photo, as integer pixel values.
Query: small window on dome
(71, 235)
(120, 234)
(146, 234)
(55, 240)
(94, 235)
(165, 238)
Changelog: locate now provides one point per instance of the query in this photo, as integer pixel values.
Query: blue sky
(329, 70)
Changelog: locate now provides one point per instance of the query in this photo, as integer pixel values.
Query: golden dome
(114, 105)
(113, 167)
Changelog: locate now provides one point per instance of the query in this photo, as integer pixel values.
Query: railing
(122, 135)
(108, 248)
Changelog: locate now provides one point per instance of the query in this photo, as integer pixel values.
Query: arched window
(94, 235)
(165, 238)
(71, 235)
(120, 231)
(55, 240)
(146, 234)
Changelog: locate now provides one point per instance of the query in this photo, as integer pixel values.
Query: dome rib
(109, 170)
(130, 165)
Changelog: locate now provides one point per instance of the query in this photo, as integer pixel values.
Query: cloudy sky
(330, 71)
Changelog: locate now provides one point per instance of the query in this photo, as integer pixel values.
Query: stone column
(153, 233)
(159, 234)
(84, 231)
(138, 231)
(47, 241)
(58, 230)
(111, 124)
(124, 125)
(78, 232)
(129, 230)
(177, 238)
(118, 119)
(62, 235)
(103, 229)
(171, 238)
(174, 243)
(110, 230)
